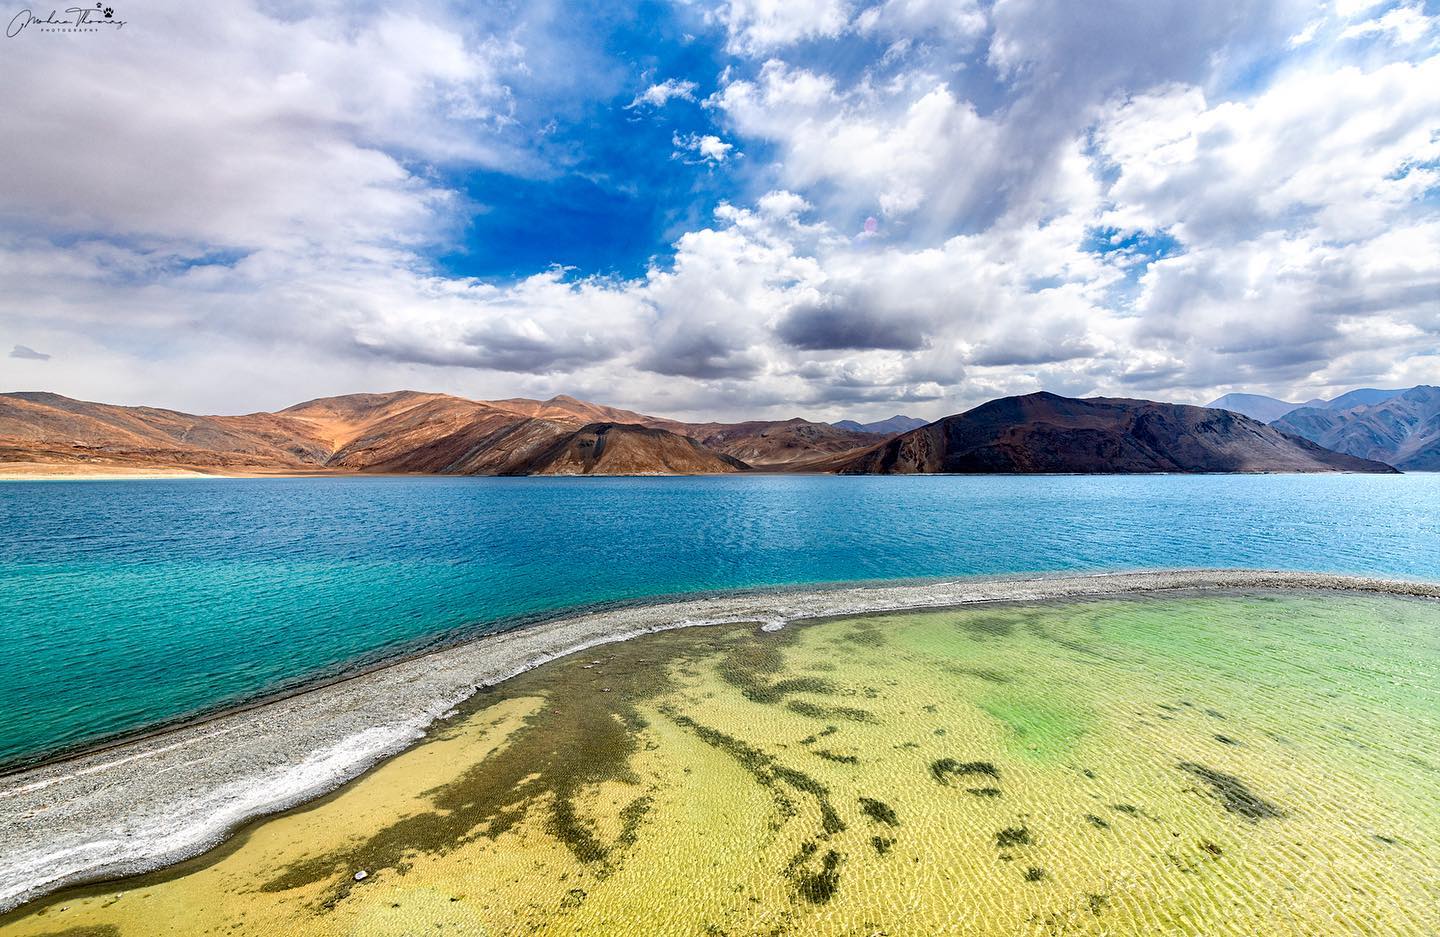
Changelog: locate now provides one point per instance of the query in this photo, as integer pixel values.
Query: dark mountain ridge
(1047, 433)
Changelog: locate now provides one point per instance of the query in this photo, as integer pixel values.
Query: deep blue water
(124, 604)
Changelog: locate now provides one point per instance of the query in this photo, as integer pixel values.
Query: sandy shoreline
(143, 804)
(48, 472)
(109, 472)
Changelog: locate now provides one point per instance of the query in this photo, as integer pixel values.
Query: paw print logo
(108, 11)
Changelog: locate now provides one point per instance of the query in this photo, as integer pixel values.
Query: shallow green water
(1197, 765)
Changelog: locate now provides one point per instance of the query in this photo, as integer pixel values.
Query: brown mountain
(628, 449)
(1403, 430)
(564, 408)
(1047, 433)
(405, 431)
(49, 427)
(782, 444)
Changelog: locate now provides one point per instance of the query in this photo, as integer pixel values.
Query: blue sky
(725, 208)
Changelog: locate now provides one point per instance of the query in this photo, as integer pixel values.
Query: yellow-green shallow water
(1200, 765)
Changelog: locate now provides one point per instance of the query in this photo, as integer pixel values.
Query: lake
(131, 603)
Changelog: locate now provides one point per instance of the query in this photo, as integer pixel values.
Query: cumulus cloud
(1132, 199)
(253, 131)
(1405, 24)
(706, 147)
(1295, 261)
(758, 26)
(666, 91)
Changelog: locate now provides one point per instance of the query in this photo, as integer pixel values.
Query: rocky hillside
(627, 449)
(1047, 433)
(782, 444)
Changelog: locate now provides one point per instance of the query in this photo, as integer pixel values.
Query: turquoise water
(124, 604)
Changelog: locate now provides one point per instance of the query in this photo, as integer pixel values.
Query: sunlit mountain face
(833, 209)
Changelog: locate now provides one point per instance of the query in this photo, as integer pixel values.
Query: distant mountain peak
(1269, 409)
(898, 423)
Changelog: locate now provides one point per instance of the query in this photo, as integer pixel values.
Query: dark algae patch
(747, 667)
(823, 733)
(1012, 836)
(943, 769)
(879, 811)
(866, 635)
(1233, 793)
(983, 626)
(816, 884)
(814, 711)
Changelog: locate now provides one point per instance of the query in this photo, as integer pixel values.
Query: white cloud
(707, 147)
(1301, 215)
(759, 26)
(926, 154)
(1342, 153)
(1404, 25)
(1306, 35)
(781, 204)
(666, 91)
(1349, 9)
(247, 131)
(954, 20)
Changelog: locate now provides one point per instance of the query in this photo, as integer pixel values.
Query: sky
(720, 209)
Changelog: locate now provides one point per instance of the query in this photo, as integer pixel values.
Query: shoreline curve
(145, 803)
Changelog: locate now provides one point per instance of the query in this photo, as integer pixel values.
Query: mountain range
(1269, 409)
(407, 431)
(1045, 432)
(1402, 429)
(1399, 427)
(426, 433)
(895, 424)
